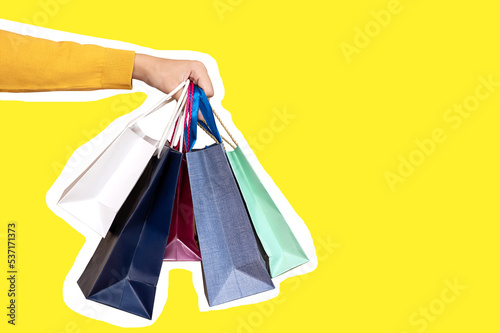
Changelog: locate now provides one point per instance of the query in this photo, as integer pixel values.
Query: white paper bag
(96, 195)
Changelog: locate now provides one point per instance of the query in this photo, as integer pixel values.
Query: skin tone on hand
(167, 74)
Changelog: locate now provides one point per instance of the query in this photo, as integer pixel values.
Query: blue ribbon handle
(201, 102)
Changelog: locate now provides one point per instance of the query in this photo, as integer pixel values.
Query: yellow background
(384, 255)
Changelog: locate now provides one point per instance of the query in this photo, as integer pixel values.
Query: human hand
(167, 74)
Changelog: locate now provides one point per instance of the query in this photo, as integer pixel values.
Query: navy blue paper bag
(232, 264)
(124, 270)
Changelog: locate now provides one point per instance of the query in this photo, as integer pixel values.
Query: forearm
(33, 64)
(30, 64)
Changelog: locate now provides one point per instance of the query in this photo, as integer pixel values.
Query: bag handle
(203, 125)
(187, 118)
(164, 101)
(227, 131)
(176, 140)
(171, 122)
(189, 111)
(200, 103)
(180, 129)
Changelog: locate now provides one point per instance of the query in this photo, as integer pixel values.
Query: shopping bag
(232, 265)
(124, 270)
(202, 124)
(182, 244)
(279, 242)
(96, 195)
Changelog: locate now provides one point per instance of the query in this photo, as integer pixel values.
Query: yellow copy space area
(377, 119)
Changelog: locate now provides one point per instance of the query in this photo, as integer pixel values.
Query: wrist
(140, 71)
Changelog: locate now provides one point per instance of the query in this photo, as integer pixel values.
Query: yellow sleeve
(34, 64)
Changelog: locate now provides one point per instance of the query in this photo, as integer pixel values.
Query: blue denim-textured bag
(124, 270)
(231, 261)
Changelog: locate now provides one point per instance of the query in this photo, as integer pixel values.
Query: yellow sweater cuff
(117, 69)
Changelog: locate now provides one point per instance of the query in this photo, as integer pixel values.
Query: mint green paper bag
(277, 238)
